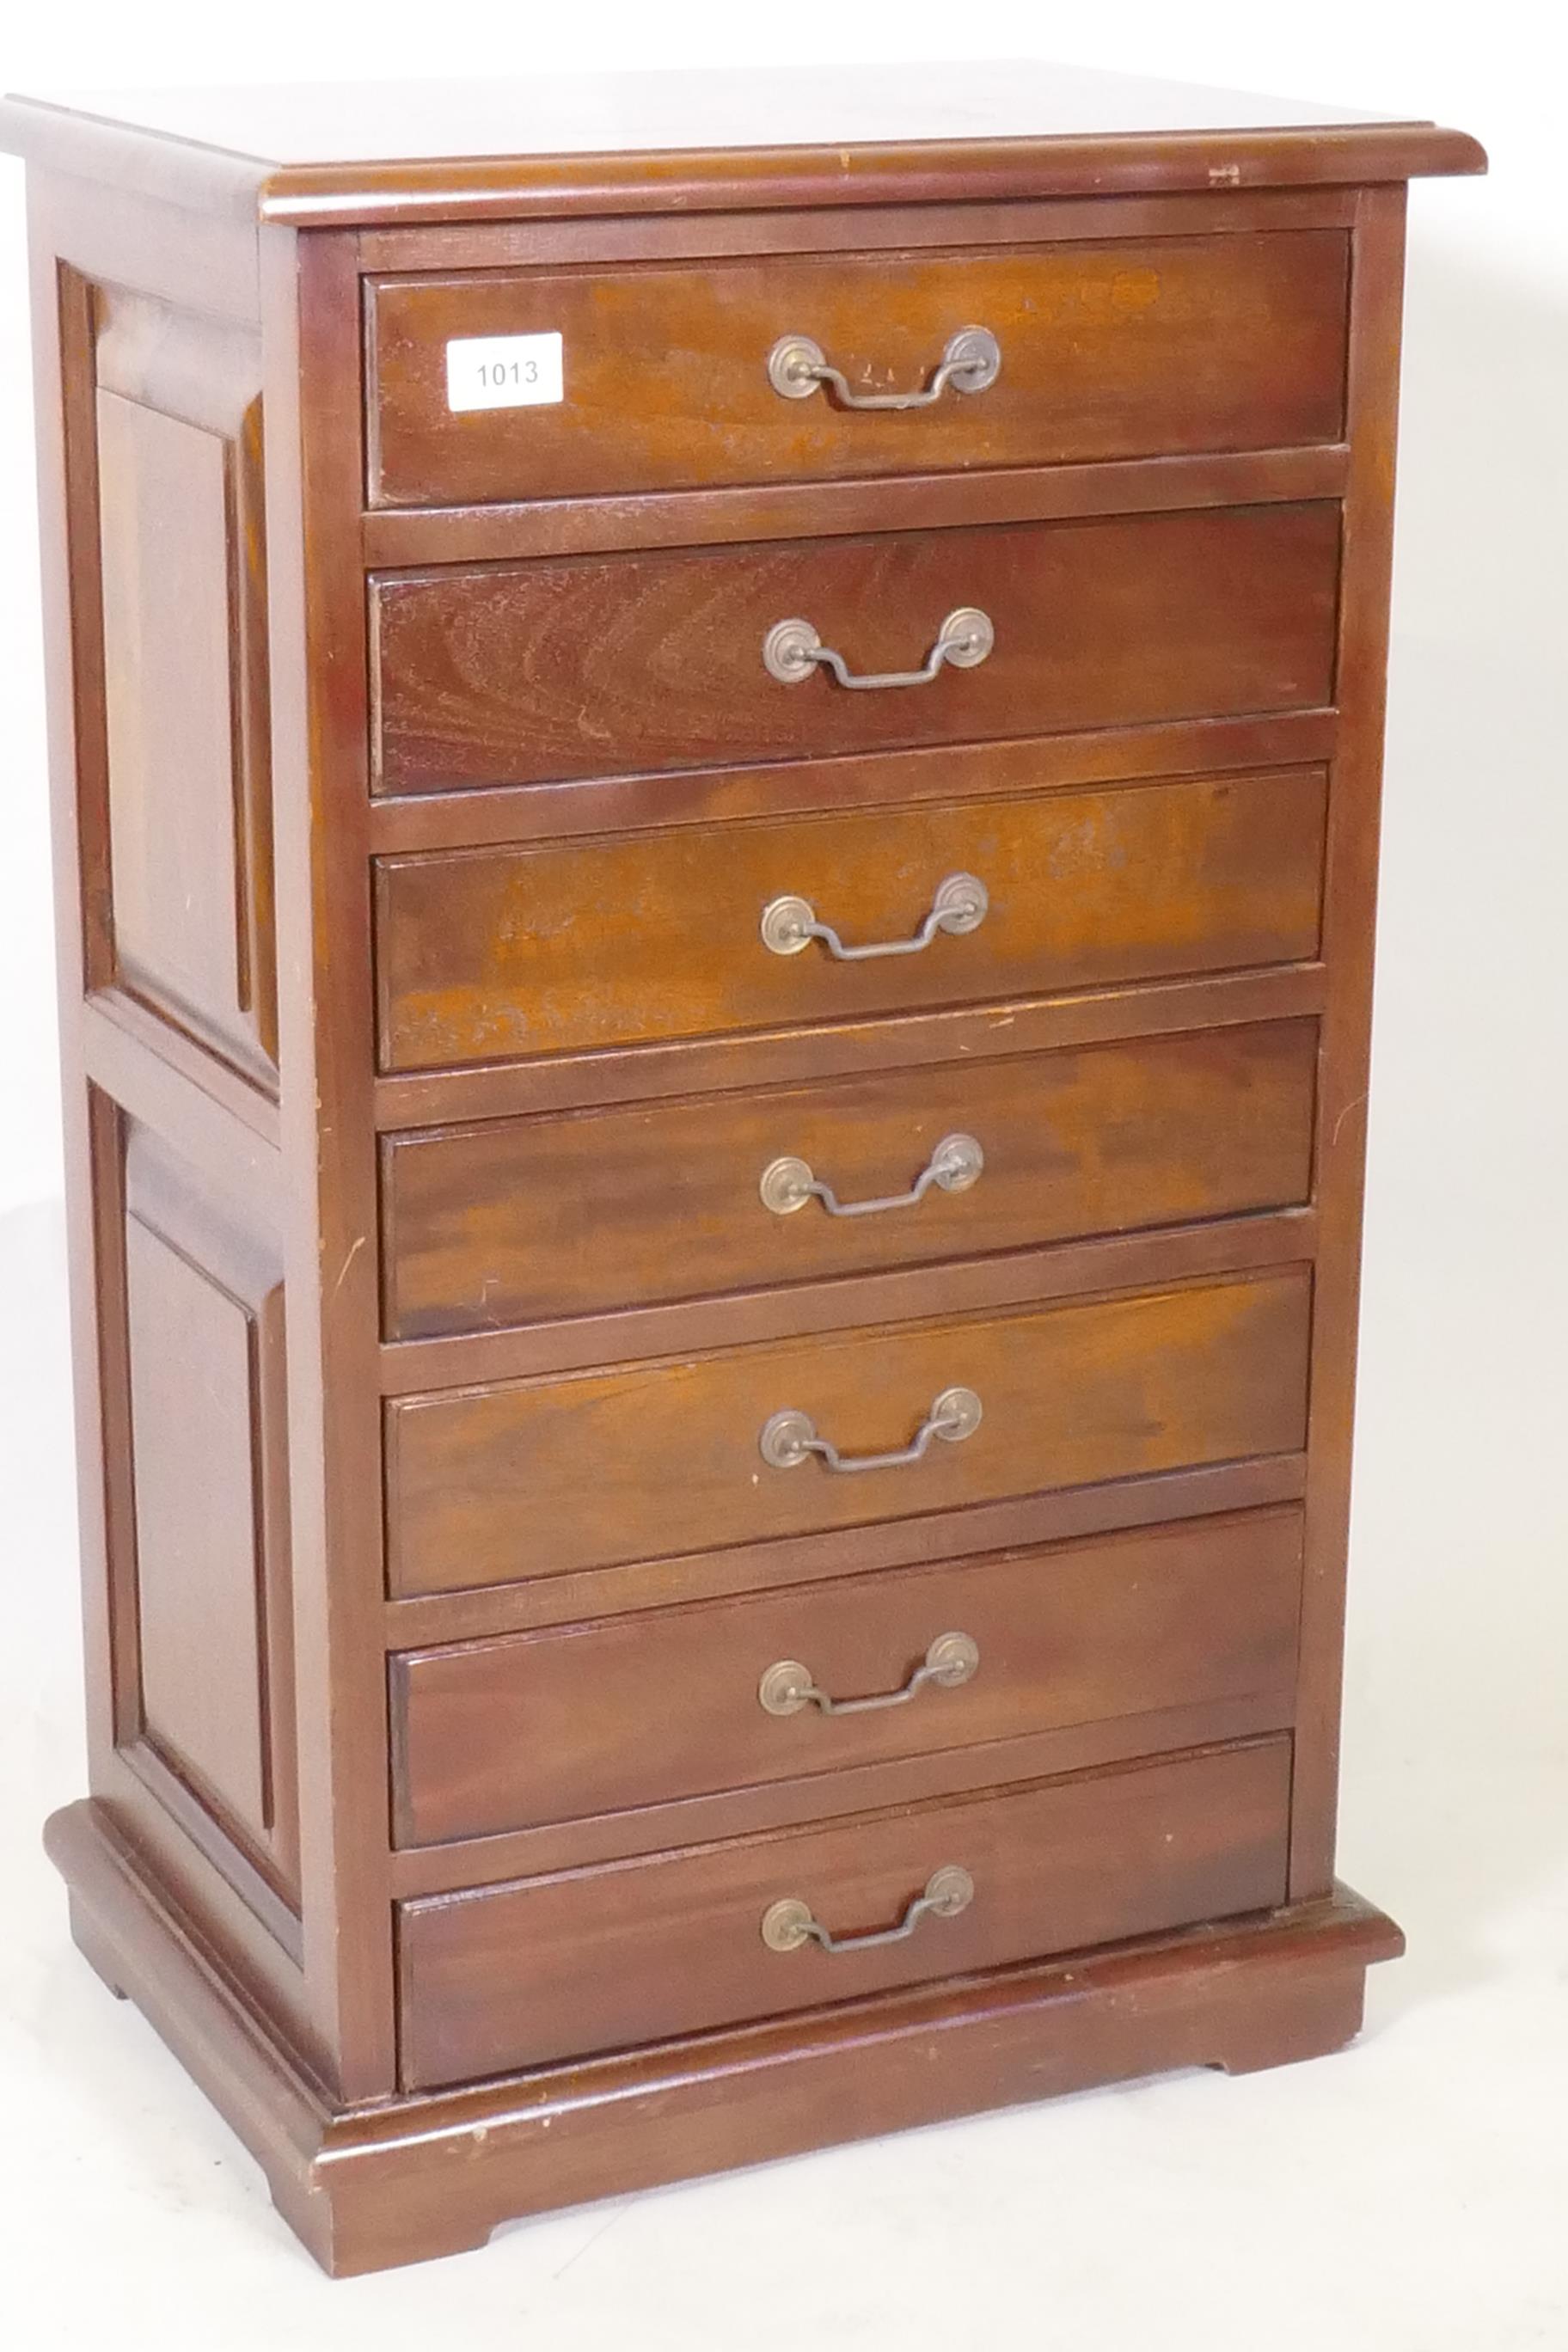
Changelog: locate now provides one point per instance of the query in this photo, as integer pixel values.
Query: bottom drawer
(508, 1977)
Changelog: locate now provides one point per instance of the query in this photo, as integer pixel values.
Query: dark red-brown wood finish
(522, 1767)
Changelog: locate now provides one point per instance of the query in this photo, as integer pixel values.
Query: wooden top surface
(413, 151)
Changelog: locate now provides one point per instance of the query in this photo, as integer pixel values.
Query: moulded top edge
(364, 153)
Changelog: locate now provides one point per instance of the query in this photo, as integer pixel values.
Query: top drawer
(1115, 349)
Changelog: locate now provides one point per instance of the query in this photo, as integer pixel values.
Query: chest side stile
(1349, 935)
(312, 289)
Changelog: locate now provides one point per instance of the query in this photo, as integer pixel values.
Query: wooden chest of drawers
(717, 797)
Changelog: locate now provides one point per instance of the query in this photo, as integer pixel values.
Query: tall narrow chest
(716, 745)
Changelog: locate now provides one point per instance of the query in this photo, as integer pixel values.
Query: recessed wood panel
(196, 1510)
(208, 1689)
(490, 955)
(601, 665)
(539, 1478)
(1107, 349)
(178, 455)
(596, 1959)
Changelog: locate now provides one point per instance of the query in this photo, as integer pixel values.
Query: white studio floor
(1409, 2196)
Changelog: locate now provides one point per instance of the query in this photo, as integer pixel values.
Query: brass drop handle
(951, 1660)
(789, 1924)
(788, 1184)
(792, 650)
(960, 905)
(970, 361)
(788, 1437)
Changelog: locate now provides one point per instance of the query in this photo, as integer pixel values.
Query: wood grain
(1350, 884)
(523, 1222)
(484, 957)
(419, 538)
(514, 814)
(921, 1776)
(1108, 351)
(182, 567)
(208, 1672)
(541, 1477)
(317, 624)
(1065, 1514)
(306, 196)
(491, 1737)
(594, 665)
(593, 1960)
(605, 240)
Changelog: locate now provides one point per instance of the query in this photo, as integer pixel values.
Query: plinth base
(369, 2187)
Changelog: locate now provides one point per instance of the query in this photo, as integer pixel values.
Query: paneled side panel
(179, 462)
(206, 1699)
(193, 1390)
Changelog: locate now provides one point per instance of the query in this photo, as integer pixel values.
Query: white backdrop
(1417, 2215)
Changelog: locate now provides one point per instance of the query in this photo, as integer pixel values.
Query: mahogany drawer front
(600, 665)
(1113, 350)
(524, 1220)
(534, 1478)
(596, 1959)
(639, 1710)
(497, 954)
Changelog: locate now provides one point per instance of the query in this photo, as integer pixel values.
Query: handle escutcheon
(787, 1689)
(970, 361)
(792, 649)
(789, 1924)
(960, 905)
(788, 1437)
(787, 1184)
